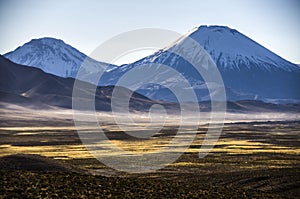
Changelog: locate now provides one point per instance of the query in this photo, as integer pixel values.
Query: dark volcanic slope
(28, 85)
(32, 87)
(35, 163)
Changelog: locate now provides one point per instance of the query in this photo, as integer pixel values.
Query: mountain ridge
(31, 86)
(249, 70)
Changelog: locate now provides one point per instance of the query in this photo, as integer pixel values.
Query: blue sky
(86, 24)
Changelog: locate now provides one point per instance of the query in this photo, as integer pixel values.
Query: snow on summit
(52, 56)
(230, 49)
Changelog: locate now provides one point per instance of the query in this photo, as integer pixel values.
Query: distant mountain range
(249, 71)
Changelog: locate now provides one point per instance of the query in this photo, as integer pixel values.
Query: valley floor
(42, 156)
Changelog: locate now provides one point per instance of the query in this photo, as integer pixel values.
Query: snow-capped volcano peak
(49, 41)
(52, 56)
(249, 70)
(231, 49)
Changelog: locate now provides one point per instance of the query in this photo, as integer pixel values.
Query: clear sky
(85, 24)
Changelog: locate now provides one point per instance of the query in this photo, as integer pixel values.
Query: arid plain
(257, 155)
